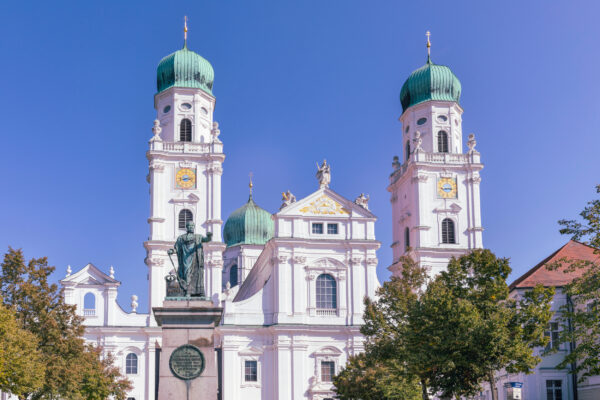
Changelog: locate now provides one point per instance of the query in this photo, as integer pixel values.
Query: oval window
(204, 111)
(442, 118)
(186, 106)
(421, 121)
(166, 109)
(407, 128)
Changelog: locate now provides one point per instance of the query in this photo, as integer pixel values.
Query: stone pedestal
(187, 322)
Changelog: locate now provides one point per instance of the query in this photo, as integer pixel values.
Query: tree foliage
(580, 317)
(73, 370)
(447, 335)
(21, 367)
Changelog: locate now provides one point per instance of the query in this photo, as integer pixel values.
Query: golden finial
(428, 34)
(185, 31)
(250, 185)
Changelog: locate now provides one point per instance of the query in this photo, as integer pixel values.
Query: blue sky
(296, 82)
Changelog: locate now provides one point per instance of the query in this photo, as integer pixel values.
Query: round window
(186, 106)
(442, 118)
(407, 128)
(421, 121)
(166, 109)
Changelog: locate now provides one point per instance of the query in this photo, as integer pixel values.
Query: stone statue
(471, 143)
(216, 132)
(323, 174)
(418, 141)
(156, 130)
(287, 199)
(362, 201)
(190, 261)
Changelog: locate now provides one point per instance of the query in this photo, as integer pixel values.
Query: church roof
(557, 277)
(430, 82)
(185, 68)
(249, 224)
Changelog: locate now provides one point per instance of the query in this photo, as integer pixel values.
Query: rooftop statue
(323, 174)
(190, 261)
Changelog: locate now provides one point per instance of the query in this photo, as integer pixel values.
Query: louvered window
(442, 142)
(185, 216)
(448, 231)
(185, 130)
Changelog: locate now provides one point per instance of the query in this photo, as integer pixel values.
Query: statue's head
(189, 226)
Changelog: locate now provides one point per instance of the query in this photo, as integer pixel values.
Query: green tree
(495, 332)
(21, 367)
(365, 378)
(73, 370)
(390, 345)
(580, 317)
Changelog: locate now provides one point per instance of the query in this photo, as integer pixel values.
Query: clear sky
(295, 82)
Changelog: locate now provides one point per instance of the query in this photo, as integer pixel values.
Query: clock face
(185, 178)
(446, 188)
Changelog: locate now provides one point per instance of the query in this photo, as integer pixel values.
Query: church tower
(435, 189)
(185, 165)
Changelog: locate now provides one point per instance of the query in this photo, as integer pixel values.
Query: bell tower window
(407, 149)
(406, 238)
(233, 275)
(185, 215)
(442, 142)
(448, 231)
(185, 130)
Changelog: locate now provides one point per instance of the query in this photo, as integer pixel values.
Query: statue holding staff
(190, 260)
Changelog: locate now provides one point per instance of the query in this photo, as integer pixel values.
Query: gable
(325, 203)
(540, 274)
(90, 275)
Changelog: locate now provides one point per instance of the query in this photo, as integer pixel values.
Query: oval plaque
(186, 362)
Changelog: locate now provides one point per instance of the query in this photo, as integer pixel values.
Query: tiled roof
(540, 274)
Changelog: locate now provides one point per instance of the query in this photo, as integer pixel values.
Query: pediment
(90, 275)
(325, 203)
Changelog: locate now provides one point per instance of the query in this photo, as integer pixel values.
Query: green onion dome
(184, 68)
(430, 82)
(249, 224)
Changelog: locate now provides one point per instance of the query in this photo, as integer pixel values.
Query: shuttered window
(448, 231)
(185, 130)
(442, 142)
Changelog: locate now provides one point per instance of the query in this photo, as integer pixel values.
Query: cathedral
(291, 282)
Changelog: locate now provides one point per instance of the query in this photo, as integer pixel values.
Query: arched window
(442, 142)
(185, 130)
(448, 231)
(185, 216)
(326, 292)
(406, 238)
(233, 275)
(407, 149)
(89, 304)
(131, 364)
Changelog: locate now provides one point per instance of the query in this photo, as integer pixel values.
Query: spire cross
(185, 31)
(428, 34)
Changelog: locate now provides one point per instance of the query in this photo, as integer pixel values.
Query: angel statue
(323, 174)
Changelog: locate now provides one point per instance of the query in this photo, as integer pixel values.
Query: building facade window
(327, 371)
(326, 292)
(185, 130)
(406, 239)
(185, 215)
(553, 389)
(407, 148)
(131, 364)
(89, 305)
(442, 142)
(317, 228)
(233, 275)
(553, 333)
(448, 235)
(332, 229)
(251, 371)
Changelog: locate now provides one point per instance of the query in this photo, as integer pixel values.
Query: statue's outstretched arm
(208, 237)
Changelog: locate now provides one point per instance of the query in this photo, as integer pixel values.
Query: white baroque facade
(291, 283)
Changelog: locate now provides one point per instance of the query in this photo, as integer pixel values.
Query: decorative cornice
(155, 219)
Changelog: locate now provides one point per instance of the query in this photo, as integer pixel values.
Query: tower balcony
(435, 159)
(186, 147)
